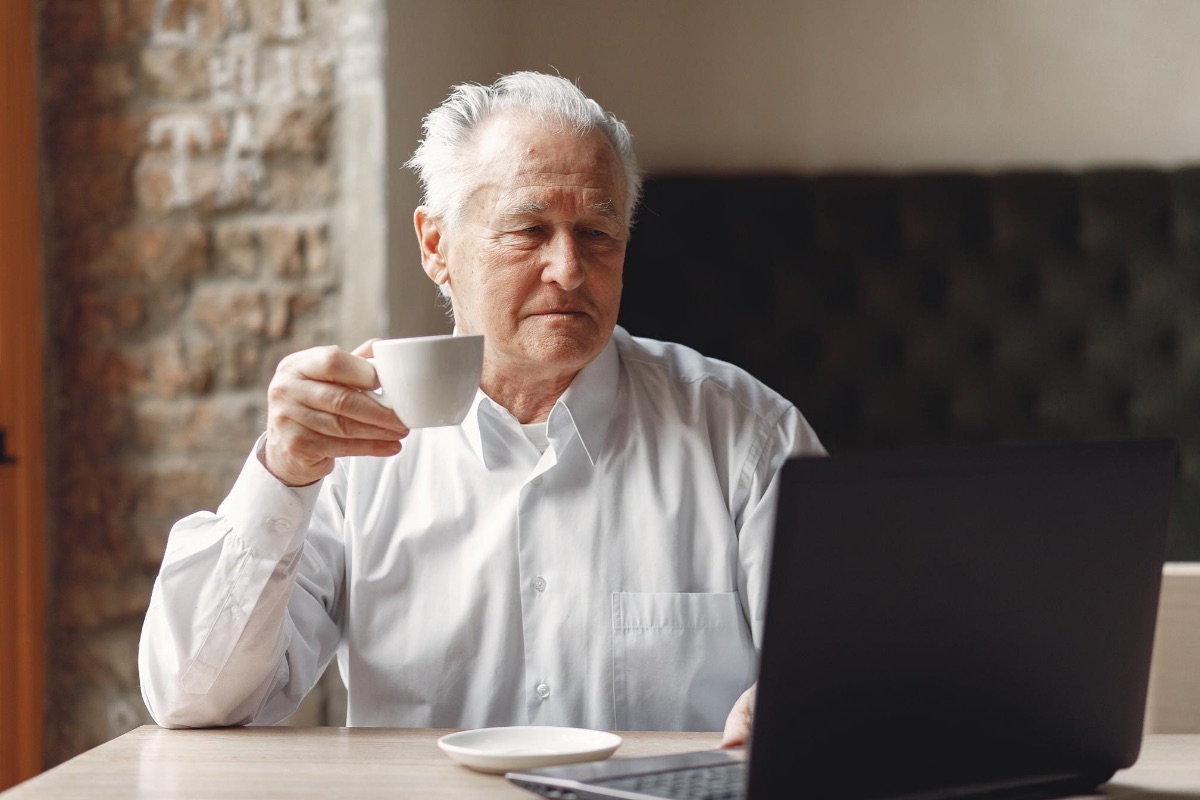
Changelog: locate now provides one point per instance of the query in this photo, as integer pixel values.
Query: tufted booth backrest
(932, 309)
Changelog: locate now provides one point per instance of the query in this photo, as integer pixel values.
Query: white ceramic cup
(429, 381)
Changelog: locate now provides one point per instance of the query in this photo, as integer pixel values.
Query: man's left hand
(737, 724)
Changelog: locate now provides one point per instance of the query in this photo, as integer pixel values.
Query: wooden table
(292, 762)
(395, 763)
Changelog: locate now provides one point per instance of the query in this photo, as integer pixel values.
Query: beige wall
(901, 84)
(823, 84)
(431, 46)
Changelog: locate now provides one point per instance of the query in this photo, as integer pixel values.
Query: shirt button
(280, 524)
(537, 481)
(539, 583)
(543, 691)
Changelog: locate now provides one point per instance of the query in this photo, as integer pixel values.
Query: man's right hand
(318, 409)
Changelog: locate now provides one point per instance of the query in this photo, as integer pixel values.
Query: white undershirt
(538, 434)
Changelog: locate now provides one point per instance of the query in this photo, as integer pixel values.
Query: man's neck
(529, 399)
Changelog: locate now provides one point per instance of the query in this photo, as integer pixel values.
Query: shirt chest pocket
(679, 660)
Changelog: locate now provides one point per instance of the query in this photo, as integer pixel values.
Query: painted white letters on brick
(243, 158)
(232, 72)
(181, 131)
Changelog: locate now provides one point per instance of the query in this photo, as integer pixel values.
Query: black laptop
(941, 623)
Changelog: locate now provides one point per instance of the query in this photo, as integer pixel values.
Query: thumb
(741, 716)
(366, 349)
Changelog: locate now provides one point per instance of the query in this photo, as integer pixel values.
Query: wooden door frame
(22, 408)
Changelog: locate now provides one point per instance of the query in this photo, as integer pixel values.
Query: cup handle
(376, 394)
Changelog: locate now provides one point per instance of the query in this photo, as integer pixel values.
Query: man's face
(534, 261)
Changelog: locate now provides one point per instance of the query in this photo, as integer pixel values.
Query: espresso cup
(429, 381)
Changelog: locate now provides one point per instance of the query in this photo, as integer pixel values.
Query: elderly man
(588, 548)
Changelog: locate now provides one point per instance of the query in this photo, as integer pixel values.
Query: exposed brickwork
(191, 195)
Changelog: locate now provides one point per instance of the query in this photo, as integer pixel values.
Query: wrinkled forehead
(511, 151)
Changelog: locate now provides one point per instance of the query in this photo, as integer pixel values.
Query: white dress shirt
(613, 581)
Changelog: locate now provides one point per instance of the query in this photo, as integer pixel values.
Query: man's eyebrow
(525, 208)
(605, 209)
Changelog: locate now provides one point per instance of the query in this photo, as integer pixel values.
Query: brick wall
(195, 161)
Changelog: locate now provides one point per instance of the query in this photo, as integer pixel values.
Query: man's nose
(563, 264)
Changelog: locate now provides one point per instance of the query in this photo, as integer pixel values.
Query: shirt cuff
(266, 514)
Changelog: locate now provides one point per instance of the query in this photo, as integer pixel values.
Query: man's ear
(429, 237)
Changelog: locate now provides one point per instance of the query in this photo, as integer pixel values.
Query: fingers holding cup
(318, 410)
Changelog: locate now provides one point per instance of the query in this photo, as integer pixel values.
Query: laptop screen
(952, 617)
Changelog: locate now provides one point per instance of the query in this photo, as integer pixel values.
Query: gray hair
(441, 160)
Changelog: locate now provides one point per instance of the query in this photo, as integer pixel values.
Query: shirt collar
(589, 402)
(586, 407)
(471, 429)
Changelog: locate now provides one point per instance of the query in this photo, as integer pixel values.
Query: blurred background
(219, 183)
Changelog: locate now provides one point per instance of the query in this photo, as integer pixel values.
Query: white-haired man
(588, 549)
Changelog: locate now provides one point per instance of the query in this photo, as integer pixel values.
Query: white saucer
(527, 747)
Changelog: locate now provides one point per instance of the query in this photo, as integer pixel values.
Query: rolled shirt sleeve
(219, 643)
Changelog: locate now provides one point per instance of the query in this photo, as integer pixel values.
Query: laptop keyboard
(721, 782)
